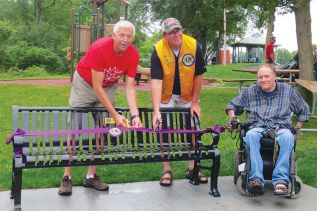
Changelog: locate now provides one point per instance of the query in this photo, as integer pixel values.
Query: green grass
(213, 102)
(221, 72)
(30, 74)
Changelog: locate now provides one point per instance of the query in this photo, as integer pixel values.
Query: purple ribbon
(18, 132)
(217, 129)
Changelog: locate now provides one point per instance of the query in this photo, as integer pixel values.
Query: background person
(269, 51)
(177, 65)
(269, 104)
(94, 85)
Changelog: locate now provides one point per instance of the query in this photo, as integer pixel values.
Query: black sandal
(255, 187)
(167, 180)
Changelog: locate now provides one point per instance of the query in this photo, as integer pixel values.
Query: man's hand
(136, 122)
(120, 120)
(232, 123)
(157, 120)
(195, 108)
(297, 133)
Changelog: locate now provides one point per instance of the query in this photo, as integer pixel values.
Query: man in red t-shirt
(269, 51)
(95, 82)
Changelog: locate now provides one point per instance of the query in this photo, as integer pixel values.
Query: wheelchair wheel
(241, 185)
(297, 185)
(237, 162)
(297, 188)
(293, 166)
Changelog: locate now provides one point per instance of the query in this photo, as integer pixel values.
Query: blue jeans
(285, 140)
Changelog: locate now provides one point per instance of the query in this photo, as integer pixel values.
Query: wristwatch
(134, 116)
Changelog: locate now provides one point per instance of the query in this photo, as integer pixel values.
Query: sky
(285, 28)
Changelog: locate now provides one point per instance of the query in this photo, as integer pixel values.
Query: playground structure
(88, 25)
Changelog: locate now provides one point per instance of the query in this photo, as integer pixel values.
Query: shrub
(23, 56)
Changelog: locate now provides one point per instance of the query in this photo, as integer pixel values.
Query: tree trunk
(304, 38)
(304, 43)
(118, 10)
(38, 8)
(270, 25)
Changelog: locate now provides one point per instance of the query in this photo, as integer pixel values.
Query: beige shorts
(176, 101)
(83, 95)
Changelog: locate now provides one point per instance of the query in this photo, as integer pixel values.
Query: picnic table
(278, 71)
(142, 74)
(312, 87)
(242, 80)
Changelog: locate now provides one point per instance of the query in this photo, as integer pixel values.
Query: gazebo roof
(253, 41)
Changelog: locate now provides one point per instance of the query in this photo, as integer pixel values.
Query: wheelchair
(269, 152)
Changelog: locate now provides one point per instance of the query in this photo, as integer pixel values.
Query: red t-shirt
(102, 58)
(269, 50)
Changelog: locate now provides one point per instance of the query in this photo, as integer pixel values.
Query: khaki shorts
(83, 95)
(176, 101)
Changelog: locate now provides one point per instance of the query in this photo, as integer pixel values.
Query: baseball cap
(169, 24)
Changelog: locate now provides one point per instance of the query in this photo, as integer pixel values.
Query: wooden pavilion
(254, 45)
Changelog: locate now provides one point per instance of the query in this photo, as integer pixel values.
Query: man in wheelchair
(269, 106)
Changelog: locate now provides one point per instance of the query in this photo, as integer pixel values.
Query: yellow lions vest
(186, 64)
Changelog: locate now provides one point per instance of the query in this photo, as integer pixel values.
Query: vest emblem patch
(188, 60)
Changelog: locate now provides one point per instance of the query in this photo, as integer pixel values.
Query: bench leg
(214, 175)
(240, 86)
(195, 180)
(17, 188)
(12, 181)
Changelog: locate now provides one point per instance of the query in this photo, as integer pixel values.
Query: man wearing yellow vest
(177, 65)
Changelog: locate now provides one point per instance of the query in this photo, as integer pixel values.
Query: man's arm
(156, 92)
(131, 97)
(195, 108)
(97, 80)
(200, 69)
(156, 87)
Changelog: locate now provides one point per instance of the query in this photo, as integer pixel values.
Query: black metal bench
(53, 150)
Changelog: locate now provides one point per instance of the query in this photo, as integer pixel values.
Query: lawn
(220, 72)
(213, 102)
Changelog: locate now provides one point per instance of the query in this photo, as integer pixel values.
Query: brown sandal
(280, 189)
(166, 181)
(201, 178)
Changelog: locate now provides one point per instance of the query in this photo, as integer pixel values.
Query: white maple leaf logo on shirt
(112, 74)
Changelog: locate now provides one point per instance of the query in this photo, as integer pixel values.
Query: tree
(203, 19)
(304, 38)
(40, 6)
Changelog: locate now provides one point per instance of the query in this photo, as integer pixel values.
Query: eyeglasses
(175, 31)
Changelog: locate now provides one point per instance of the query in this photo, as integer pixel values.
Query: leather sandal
(166, 181)
(201, 178)
(255, 187)
(280, 189)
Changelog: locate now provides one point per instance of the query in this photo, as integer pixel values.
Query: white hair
(123, 24)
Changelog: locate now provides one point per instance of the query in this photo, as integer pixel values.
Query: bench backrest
(56, 150)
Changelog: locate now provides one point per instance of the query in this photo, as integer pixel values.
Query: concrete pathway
(149, 196)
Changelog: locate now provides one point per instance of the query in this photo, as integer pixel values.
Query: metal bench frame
(130, 147)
